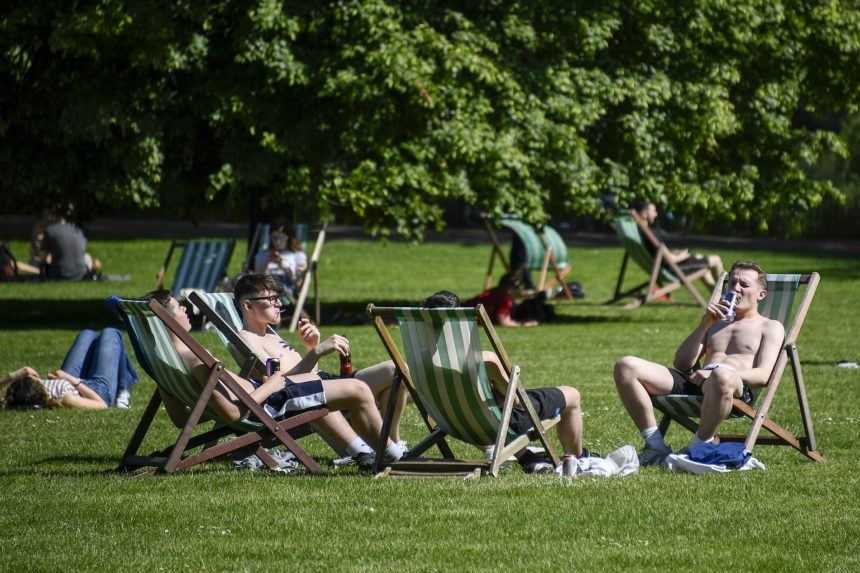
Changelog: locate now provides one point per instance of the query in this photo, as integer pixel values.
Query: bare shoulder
(772, 328)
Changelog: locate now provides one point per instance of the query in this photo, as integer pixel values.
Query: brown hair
(252, 284)
(751, 266)
(26, 392)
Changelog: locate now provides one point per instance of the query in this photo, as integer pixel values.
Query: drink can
(731, 299)
(272, 366)
(345, 365)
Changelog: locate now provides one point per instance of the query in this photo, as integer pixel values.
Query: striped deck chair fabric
(535, 250)
(443, 351)
(203, 263)
(222, 303)
(155, 352)
(259, 242)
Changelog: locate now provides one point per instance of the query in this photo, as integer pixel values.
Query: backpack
(8, 264)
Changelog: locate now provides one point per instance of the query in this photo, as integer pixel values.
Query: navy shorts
(681, 385)
(295, 398)
(547, 402)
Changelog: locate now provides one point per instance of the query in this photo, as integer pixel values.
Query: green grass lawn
(62, 507)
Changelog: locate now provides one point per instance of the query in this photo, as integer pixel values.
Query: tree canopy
(392, 109)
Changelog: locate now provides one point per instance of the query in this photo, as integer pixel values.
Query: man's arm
(772, 338)
(691, 349)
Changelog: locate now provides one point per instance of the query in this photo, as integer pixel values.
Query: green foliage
(389, 109)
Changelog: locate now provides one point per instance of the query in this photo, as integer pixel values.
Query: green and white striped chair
(664, 275)
(783, 304)
(444, 372)
(202, 265)
(544, 249)
(149, 326)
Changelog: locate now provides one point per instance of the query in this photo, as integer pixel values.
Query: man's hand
(334, 343)
(716, 312)
(309, 334)
(699, 376)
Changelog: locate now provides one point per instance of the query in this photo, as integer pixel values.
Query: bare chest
(735, 338)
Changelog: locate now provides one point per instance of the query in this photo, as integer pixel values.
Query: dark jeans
(100, 361)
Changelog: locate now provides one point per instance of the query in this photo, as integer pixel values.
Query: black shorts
(547, 402)
(693, 263)
(681, 385)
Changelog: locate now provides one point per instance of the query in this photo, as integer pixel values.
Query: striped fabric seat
(222, 304)
(534, 242)
(443, 351)
(158, 357)
(202, 265)
(442, 367)
(777, 305)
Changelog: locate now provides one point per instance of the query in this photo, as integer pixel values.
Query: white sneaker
(123, 399)
(649, 456)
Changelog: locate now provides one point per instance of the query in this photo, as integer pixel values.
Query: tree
(391, 109)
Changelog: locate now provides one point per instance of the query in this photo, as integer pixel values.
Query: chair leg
(141, 430)
(800, 387)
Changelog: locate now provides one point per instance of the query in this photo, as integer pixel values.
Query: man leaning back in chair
(737, 355)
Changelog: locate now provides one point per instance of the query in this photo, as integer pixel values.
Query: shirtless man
(736, 356)
(258, 299)
(277, 395)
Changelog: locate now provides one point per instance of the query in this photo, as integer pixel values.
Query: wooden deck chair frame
(549, 261)
(251, 436)
(311, 275)
(211, 280)
(805, 444)
(449, 464)
(665, 275)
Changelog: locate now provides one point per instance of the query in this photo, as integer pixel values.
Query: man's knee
(723, 381)
(626, 369)
(572, 398)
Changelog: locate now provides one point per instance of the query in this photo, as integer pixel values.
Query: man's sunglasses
(273, 300)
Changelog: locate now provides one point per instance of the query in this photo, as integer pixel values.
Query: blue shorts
(295, 398)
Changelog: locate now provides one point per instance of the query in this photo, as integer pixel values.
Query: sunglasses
(273, 300)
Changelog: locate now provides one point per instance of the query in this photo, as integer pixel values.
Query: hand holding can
(730, 299)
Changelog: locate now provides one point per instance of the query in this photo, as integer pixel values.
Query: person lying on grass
(257, 297)
(95, 375)
(737, 355)
(547, 402)
(280, 396)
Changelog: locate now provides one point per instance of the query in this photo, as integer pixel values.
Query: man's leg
(337, 433)
(355, 396)
(721, 386)
(79, 353)
(715, 264)
(636, 380)
(570, 426)
(379, 378)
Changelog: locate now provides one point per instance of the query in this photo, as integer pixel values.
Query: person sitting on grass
(646, 211)
(95, 375)
(500, 306)
(547, 402)
(737, 356)
(278, 395)
(257, 297)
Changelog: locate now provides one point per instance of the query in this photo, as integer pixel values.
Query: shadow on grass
(38, 314)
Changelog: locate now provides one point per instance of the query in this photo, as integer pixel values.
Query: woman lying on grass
(95, 375)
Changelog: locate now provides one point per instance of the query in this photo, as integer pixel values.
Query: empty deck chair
(780, 304)
(202, 265)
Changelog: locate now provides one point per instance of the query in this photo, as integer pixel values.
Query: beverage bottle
(346, 365)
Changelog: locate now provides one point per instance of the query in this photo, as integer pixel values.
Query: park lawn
(61, 507)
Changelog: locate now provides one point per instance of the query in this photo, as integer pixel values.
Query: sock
(696, 440)
(393, 451)
(653, 438)
(358, 446)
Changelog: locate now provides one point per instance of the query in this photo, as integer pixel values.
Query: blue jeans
(100, 361)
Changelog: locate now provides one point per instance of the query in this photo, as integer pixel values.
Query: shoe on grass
(649, 456)
(123, 400)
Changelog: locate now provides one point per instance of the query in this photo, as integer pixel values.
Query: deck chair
(780, 304)
(149, 327)
(311, 276)
(545, 250)
(259, 242)
(664, 275)
(445, 375)
(202, 265)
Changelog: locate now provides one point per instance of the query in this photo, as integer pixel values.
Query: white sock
(393, 451)
(358, 446)
(653, 438)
